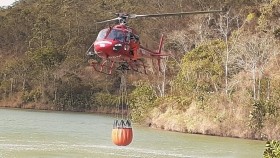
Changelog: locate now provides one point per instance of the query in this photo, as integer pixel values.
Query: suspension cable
(123, 101)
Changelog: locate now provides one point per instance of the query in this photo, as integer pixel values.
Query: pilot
(119, 36)
(134, 44)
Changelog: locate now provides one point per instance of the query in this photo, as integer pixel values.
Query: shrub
(142, 99)
(272, 149)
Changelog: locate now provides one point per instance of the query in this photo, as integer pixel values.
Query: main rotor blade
(105, 21)
(174, 14)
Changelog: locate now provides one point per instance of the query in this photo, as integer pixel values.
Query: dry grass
(12, 102)
(221, 115)
(194, 120)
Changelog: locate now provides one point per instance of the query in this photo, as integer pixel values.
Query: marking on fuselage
(103, 42)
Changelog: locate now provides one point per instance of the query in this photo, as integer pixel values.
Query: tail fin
(160, 44)
(159, 52)
(155, 54)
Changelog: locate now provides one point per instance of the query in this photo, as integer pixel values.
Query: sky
(6, 2)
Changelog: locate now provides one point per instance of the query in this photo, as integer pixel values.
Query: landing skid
(108, 66)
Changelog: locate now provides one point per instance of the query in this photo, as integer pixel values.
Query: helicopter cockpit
(113, 34)
(116, 35)
(102, 34)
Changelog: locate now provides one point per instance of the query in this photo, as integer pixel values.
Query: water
(39, 134)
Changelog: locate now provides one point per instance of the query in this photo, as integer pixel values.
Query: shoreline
(106, 113)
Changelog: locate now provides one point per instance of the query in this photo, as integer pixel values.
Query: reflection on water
(33, 134)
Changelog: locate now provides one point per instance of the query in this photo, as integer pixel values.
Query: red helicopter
(118, 47)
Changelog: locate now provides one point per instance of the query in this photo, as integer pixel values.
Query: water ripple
(97, 149)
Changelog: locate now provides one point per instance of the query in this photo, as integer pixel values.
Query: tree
(253, 55)
(201, 69)
(141, 101)
(225, 29)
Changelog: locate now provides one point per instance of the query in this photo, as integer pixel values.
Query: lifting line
(123, 100)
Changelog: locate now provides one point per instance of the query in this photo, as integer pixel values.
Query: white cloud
(6, 2)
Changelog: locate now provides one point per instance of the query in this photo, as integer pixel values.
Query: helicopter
(118, 47)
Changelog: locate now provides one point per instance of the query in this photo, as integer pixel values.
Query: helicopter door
(127, 42)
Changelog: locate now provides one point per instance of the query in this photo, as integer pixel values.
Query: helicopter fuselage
(116, 43)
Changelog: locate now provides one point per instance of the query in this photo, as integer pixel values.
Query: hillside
(221, 79)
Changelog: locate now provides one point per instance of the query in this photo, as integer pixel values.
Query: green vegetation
(272, 149)
(222, 79)
(142, 100)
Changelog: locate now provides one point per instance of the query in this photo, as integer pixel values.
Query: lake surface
(40, 134)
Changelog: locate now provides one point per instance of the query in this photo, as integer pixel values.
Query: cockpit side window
(128, 34)
(102, 34)
(116, 35)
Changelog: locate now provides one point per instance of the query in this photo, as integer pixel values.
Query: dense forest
(222, 77)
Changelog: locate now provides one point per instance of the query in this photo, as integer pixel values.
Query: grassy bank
(227, 119)
(16, 102)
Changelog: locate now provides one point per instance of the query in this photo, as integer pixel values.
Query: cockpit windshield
(102, 34)
(116, 35)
